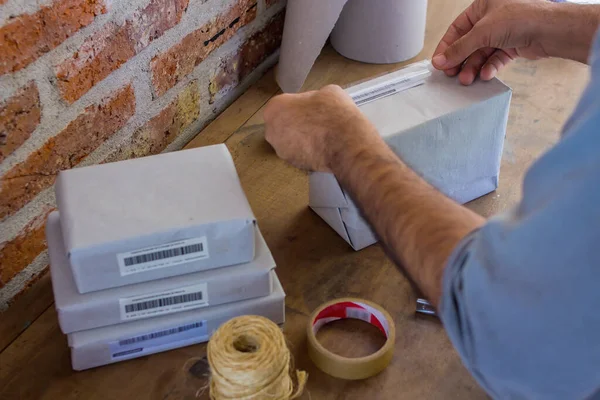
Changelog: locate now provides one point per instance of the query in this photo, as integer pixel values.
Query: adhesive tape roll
(351, 368)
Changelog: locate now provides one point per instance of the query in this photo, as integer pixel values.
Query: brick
(170, 67)
(249, 56)
(101, 54)
(19, 116)
(158, 17)
(65, 150)
(160, 131)
(18, 253)
(29, 36)
(108, 49)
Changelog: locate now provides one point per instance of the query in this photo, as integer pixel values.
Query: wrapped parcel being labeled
(451, 135)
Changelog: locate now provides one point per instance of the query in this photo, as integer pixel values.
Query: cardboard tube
(351, 368)
(382, 31)
(308, 23)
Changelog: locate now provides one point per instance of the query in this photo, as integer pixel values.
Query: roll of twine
(249, 360)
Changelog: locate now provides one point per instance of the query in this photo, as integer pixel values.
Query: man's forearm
(569, 29)
(419, 226)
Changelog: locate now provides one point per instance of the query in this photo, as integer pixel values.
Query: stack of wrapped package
(155, 253)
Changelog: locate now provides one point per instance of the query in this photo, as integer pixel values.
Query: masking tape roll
(351, 368)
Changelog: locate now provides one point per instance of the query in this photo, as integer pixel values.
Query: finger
(460, 50)
(473, 65)
(452, 71)
(279, 103)
(332, 88)
(460, 27)
(339, 94)
(498, 60)
(273, 106)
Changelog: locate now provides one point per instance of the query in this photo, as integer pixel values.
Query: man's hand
(304, 128)
(491, 33)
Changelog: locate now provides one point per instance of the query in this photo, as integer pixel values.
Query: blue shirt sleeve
(521, 296)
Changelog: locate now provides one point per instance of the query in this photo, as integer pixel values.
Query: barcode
(375, 97)
(163, 254)
(160, 334)
(128, 352)
(165, 301)
(393, 86)
(358, 313)
(360, 97)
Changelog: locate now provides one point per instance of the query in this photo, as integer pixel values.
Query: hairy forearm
(569, 29)
(418, 225)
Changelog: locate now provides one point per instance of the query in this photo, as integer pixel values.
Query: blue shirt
(521, 296)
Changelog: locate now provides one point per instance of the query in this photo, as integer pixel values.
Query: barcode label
(378, 91)
(154, 342)
(161, 256)
(166, 302)
(159, 334)
(358, 313)
(375, 97)
(127, 352)
(396, 82)
(159, 303)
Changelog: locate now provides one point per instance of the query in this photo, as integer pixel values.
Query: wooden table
(314, 263)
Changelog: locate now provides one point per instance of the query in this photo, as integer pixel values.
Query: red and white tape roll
(351, 368)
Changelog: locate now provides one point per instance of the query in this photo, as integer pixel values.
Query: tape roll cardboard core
(344, 367)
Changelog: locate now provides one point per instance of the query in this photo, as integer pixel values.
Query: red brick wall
(92, 81)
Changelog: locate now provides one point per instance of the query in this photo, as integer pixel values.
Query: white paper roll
(380, 31)
(373, 31)
(307, 25)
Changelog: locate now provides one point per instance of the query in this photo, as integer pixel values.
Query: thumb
(460, 50)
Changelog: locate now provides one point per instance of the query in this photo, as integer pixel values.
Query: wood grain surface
(314, 264)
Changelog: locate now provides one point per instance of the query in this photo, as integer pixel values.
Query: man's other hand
(304, 129)
(489, 34)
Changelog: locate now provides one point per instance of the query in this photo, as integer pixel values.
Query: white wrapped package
(451, 135)
(77, 312)
(154, 217)
(115, 343)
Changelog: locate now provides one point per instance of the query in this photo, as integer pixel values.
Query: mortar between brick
(202, 74)
(16, 7)
(65, 150)
(56, 116)
(27, 37)
(114, 44)
(174, 64)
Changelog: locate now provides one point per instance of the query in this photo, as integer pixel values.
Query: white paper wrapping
(307, 26)
(154, 217)
(450, 134)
